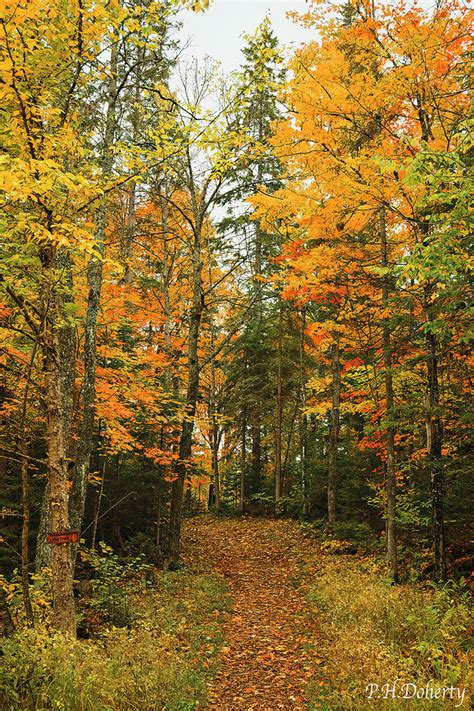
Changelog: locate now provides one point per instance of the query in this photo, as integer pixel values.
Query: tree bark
(61, 559)
(67, 341)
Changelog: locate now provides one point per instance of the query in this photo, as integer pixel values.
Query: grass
(374, 633)
(161, 661)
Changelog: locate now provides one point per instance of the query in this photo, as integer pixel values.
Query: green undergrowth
(159, 659)
(375, 633)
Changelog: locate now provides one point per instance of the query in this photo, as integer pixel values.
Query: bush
(114, 581)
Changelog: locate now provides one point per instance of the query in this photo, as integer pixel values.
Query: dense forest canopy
(244, 293)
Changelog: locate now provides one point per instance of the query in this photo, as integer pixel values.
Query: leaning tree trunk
(334, 430)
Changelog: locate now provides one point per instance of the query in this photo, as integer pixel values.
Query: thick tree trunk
(61, 559)
(334, 430)
(67, 341)
(390, 466)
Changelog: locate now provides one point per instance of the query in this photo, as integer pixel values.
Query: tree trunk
(243, 461)
(434, 450)
(67, 341)
(61, 559)
(215, 465)
(334, 430)
(434, 427)
(158, 558)
(94, 281)
(390, 466)
(303, 419)
(279, 409)
(98, 503)
(215, 434)
(7, 628)
(187, 428)
(256, 436)
(25, 532)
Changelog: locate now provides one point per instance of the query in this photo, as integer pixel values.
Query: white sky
(218, 31)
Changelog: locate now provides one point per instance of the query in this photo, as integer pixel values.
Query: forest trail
(270, 650)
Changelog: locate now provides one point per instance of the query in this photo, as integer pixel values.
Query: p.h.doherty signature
(399, 689)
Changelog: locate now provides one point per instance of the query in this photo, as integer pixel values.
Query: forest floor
(310, 627)
(271, 649)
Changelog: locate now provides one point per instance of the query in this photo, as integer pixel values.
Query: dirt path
(271, 646)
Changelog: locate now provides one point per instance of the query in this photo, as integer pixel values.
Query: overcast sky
(218, 31)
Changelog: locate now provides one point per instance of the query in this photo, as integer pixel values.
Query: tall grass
(161, 662)
(375, 633)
